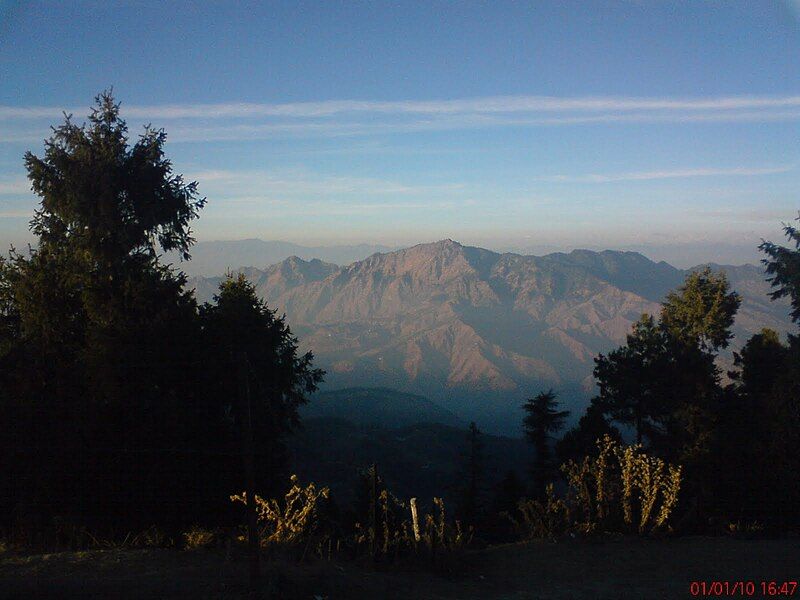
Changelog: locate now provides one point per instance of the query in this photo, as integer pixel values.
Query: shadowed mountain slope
(379, 407)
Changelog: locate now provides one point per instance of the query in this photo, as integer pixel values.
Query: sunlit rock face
(466, 325)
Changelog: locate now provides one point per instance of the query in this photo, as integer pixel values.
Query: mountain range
(478, 331)
(216, 257)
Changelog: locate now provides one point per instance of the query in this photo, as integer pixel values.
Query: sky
(672, 128)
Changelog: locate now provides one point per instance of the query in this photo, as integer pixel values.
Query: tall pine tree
(542, 420)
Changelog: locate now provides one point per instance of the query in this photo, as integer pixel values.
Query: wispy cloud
(18, 186)
(257, 131)
(746, 215)
(485, 105)
(253, 121)
(235, 184)
(671, 174)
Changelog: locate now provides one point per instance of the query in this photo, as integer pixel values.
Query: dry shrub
(154, 537)
(746, 529)
(395, 537)
(295, 521)
(197, 537)
(540, 519)
(622, 488)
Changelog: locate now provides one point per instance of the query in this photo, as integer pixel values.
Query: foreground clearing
(575, 569)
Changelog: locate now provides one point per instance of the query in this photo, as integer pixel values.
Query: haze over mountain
(474, 330)
(215, 257)
(211, 258)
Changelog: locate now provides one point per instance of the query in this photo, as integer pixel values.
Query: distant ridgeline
(378, 407)
(419, 447)
(477, 331)
(214, 258)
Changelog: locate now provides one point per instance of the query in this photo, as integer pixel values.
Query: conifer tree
(783, 267)
(700, 313)
(633, 387)
(758, 454)
(745, 462)
(542, 420)
(239, 328)
(581, 440)
(664, 381)
(115, 391)
(97, 338)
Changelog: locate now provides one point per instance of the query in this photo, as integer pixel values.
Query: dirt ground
(579, 569)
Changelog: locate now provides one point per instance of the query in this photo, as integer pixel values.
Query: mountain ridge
(466, 326)
(213, 258)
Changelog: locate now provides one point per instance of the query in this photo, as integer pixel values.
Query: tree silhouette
(240, 327)
(757, 454)
(664, 382)
(757, 363)
(581, 440)
(633, 388)
(697, 319)
(543, 419)
(783, 266)
(508, 492)
(745, 461)
(115, 391)
(98, 339)
(471, 480)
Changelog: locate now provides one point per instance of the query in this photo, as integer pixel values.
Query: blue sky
(525, 125)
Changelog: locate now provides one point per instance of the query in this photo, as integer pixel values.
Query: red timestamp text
(744, 589)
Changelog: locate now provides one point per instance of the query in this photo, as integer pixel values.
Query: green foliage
(701, 312)
(770, 379)
(96, 337)
(542, 419)
(783, 266)
(107, 199)
(757, 363)
(735, 442)
(122, 401)
(663, 381)
(761, 422)
(760, 425)
(634, 380)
